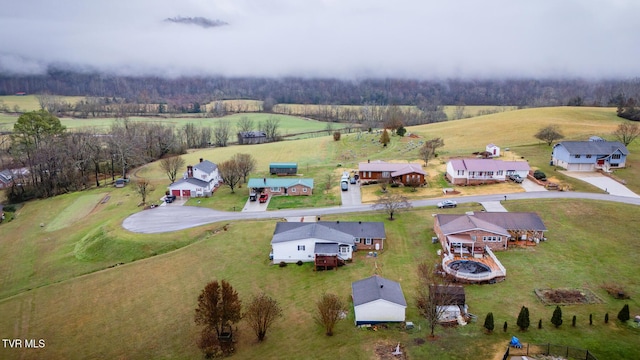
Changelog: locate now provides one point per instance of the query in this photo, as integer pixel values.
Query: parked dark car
(253, 196)
(169, 198)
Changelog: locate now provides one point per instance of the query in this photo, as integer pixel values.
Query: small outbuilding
(252, 137)
(378, 300)
(283, 168)
(493, 149)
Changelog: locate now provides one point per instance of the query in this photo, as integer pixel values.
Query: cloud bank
(326, 38)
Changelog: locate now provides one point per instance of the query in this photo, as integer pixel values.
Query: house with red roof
(404, 173)
(473, 171)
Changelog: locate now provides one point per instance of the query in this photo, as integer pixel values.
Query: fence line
(566, 352)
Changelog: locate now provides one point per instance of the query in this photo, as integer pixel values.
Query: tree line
(187, 92)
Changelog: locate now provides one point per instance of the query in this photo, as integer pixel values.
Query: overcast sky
(327, 38)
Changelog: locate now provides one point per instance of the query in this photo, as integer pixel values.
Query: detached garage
(378, 300)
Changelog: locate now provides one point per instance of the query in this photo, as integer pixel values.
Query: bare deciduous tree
(330, 310)
(626, 132)
(428, 150)
(144, 188)
(433, 293)
(392, 203)
(261, 313)
(270, 128)
(245, 124)
(246, 164)
(549, 134)
(230, 173)
(221, 133)
(171, 166)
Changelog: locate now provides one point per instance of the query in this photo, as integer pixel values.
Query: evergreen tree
(623, 315)
(556, 319)
(606, 318)
(384, 138)
(401, 131)
(573, 321)
(523, 318)
(590, 319)
(488, 322)
(504, 327)
(540, 324)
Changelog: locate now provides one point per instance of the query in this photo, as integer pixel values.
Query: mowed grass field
(62, 285)
(145, 309)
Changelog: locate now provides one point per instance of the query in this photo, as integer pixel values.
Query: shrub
(401, 131)
(606, 318)
(9, 208)
(556, 319)
(623, 315)
(336, 135)
(488, 322)
(539, 175)
(590, 319)
(504, 327)
(540, 324)
(523, 318)
(282, 264)
(573, 321)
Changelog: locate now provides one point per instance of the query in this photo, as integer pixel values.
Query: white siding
(288, 251)
(379, 311)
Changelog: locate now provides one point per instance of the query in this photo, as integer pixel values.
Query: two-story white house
(199, 180)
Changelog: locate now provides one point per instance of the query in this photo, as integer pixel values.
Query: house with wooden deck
(469, 234)
(378, 300)
(328, 243)
(474, 171)
(402, 173)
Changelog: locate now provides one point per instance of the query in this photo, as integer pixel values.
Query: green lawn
(150, 303)
(149, 300)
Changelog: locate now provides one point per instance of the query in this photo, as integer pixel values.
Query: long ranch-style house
(404, 173)
(474, 171)
(327, 243)
(281, 186)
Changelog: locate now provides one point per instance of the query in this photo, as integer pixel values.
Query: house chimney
(201, 159)
(189, 171)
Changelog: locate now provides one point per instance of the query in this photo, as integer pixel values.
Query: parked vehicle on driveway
(169, 198)
(253, 196)
(344, 185)
(264, 198)
(516, 178)
(447, 204)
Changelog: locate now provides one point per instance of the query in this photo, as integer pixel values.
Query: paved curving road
(174, 218)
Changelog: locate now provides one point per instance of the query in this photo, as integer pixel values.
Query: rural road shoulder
(174, 218)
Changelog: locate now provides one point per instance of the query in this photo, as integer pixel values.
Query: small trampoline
(469, 267)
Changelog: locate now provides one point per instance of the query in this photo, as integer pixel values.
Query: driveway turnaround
(174, 218)
(603, 182)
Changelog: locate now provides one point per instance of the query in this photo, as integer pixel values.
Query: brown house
(468, 234)
(401, 173)
(282, 186)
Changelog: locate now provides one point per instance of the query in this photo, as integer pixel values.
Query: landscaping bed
(567, 296)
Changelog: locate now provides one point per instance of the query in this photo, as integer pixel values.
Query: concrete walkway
(493, 206)
(603, 182)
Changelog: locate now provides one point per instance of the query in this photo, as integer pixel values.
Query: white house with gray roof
(589, 155)
(473, 171)
(199, 180)
(300, 241)
(378, 300)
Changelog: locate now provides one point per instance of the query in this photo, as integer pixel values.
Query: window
(577, 156)
(460, 172)
(615, 156)
(385, 174)
(275, 189)
(500, 172)
(300, 247)
(304, 189)
(357, 240)
(588, 156)
(368, 241)
(293, 190)
(492, 238)
(344, 249)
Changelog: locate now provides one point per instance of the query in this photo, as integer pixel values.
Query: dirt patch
(567, 296)
(389, 351)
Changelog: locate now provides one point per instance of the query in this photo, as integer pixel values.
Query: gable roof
(206, 166)
(252, 134)
(192, 181)
(593, 147)
(356, 229)
(283, 165)
(326, 248)
(401, 168)
(472, 164)
(6, 176)
(496, 222)
(284, 232)
(279, 182)
(448, 294)
(377, 288)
